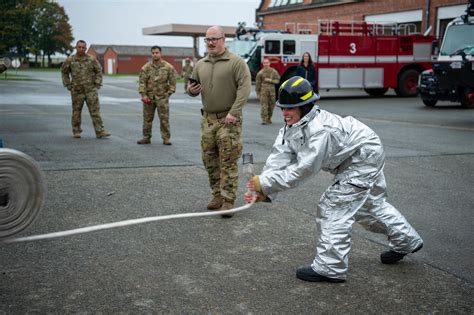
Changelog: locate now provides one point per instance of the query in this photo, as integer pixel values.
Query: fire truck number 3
(353, 48)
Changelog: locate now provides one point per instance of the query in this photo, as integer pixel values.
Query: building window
(275, 3)
(404, 22)
(272, 47)
(281, 3)
(410, 28)
(289, 47)
(326, 1)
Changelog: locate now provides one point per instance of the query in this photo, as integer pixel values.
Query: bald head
(215, 40)
(217, 29)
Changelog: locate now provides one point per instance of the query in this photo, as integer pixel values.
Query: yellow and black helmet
(296, 92)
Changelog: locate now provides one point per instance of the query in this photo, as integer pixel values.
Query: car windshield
(456, 38)
(241, 47)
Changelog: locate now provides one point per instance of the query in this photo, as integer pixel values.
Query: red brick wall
(133, 64)
(130, 63)
(354, 11)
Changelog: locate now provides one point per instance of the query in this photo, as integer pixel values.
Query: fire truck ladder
(357, 28)
(363, 28)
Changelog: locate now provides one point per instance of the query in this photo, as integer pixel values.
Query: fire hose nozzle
(247, 162)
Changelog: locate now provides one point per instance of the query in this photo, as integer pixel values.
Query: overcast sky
(120, 22)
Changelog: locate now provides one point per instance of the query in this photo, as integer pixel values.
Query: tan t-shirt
(225, 82)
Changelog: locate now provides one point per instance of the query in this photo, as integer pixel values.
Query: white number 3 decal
(353, 48)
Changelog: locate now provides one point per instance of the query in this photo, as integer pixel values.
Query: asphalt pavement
(242, 265)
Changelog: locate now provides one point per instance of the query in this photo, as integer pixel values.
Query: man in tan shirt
(223, 80)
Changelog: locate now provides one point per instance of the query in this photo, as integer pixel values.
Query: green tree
(16, 20)
(40, 27)
(53, 31)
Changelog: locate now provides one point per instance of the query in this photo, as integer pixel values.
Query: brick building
(129, 59)
(301, 16)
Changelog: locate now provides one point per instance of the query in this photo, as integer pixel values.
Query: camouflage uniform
(266, 92)
(226, 83)
(82, 75)
(221, 147)
(187, 72)
(158, 82)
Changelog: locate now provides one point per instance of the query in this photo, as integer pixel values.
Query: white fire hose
(107, 226)
(22, 195)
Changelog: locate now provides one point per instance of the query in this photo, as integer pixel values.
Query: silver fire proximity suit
(355, 155)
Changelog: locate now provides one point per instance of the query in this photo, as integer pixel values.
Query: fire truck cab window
(272, 47)
(289, 47)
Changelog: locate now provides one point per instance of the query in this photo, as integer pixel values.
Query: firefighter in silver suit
(313, 140)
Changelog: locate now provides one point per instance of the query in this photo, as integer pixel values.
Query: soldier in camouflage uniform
(156, 84)
(187, 72)
(82, 75)
(265, 83)
(224, 84)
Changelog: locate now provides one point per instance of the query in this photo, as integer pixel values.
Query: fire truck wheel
(376, 92)
(467, 99)
(407, 83)
(430, 103)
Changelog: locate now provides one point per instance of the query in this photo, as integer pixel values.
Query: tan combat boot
(144, 141)
(227, 205)
(77, 135)
(215, 203)
(103, 134)
(167, 142)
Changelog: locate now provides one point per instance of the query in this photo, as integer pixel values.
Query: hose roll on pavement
(22, 192)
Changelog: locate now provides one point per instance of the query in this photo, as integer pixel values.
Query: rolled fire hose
(22, 192)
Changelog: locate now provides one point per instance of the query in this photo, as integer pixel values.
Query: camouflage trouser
(161, 105)
(92, 100)
(186, 80)
(267, 100)
(221, 147)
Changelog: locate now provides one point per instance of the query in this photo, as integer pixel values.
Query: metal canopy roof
(185, 30)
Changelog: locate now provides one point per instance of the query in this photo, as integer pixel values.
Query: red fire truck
(346, 54)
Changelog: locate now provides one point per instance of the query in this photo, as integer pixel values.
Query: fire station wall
(352, 11)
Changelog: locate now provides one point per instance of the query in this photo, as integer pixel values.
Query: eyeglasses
(212, 39)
